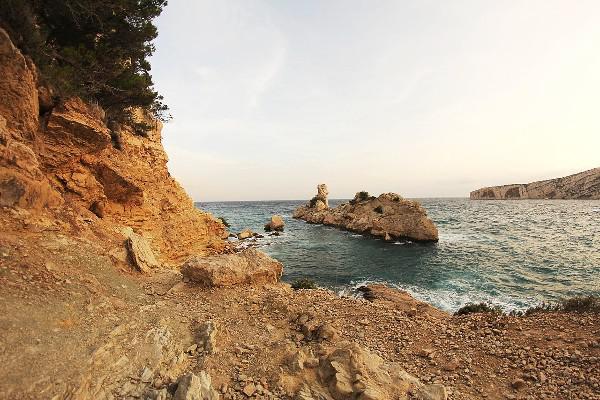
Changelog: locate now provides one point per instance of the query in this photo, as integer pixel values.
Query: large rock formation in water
(388, 216)
(63, 159)
(584, 185)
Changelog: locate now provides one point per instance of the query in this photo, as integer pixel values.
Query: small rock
(431, 392)
(518, 384)
(193, 387)
(249, 389)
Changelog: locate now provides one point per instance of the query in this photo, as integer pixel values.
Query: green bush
(96, 50)
(304, 283)
(471, 308)
(224, 222)
(577, 304)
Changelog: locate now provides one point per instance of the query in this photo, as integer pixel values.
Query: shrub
(224, 221)
(578, 304)
(471, 308)
(304, 283)
(313, 201)
(378, 209)
(581, 304)
(97, 50)
(362, 196)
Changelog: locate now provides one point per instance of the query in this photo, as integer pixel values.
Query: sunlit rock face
(64, 156)
(581, 186)
(388, 216)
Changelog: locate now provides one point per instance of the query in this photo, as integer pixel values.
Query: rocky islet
(388, 216)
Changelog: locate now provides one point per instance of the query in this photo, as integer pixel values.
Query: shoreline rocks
(388, 216)
(275, 225)
(582, 186)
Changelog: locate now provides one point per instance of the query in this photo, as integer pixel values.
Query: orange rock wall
(66, 159)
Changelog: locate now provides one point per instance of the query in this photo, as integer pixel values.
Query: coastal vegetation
(576, 304)
(98, 51)
(224, 221)
(304, 283)
(471, 308)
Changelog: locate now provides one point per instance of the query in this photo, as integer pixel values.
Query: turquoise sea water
(511, 253)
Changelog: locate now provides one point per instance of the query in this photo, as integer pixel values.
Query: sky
(422, 98)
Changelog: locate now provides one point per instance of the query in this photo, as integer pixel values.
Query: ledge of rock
(247, 267)
(584, 185)
(399, 300)
(352, 372)
(388, 216)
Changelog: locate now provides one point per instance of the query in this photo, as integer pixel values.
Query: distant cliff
(584, 185)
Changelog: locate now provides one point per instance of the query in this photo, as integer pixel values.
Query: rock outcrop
(64, 159)
(195, 387)
(388, 216)
(247, 267)
(582, 186)
(349, 371)
(140, 253)
(276, 224)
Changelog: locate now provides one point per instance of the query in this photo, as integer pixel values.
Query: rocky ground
(78, 322)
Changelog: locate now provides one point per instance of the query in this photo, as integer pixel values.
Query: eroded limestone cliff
(63, 159)
(584, 185)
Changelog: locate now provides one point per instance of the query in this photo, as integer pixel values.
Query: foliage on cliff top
(97, 50)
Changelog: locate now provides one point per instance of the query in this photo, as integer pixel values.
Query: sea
(514, 254)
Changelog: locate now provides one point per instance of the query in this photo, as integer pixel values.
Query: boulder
(195, 387)
(140, 253)
(388, 216)
(247, 267)
(352, 372)
(245, 234)
(276, 224)
(431, 392)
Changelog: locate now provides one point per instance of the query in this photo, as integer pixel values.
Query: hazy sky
(422, 98)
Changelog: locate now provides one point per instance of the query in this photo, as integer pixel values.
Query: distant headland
(581, 186)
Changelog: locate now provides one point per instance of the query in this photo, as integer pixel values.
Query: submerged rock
(388, 216)
(247, 267)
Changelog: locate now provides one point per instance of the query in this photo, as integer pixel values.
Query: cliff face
(581, 186)
(65, 162)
